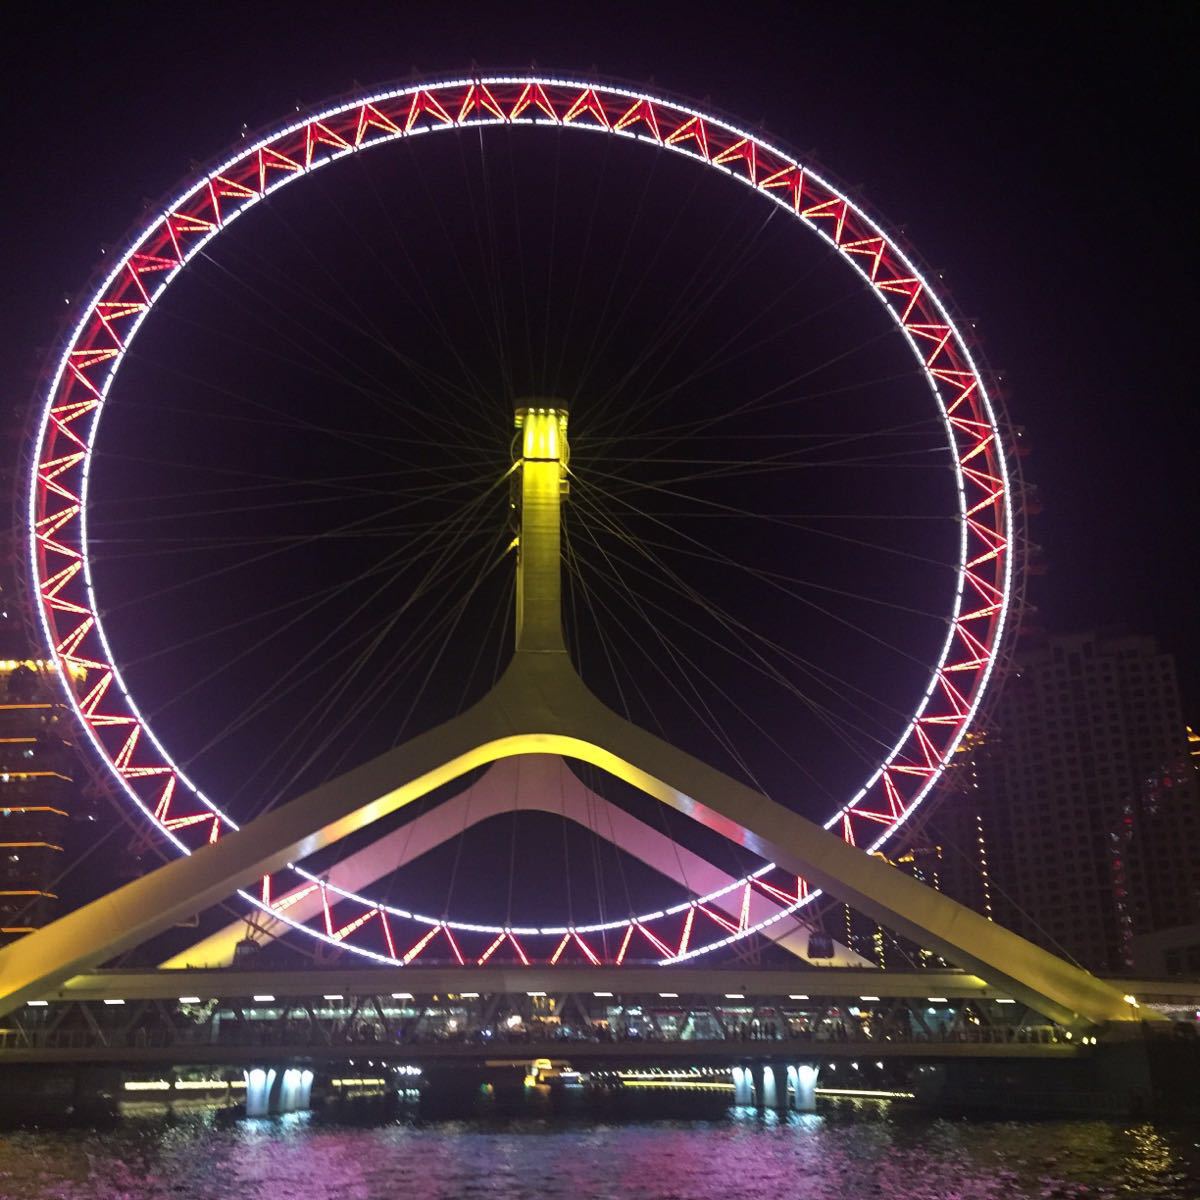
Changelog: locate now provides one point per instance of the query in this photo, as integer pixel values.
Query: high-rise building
(1077, 820)
(922, 859)
(38, 794)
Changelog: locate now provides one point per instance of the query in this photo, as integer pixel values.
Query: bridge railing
(366, 1036)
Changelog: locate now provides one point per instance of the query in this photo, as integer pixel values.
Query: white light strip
(864, 1094)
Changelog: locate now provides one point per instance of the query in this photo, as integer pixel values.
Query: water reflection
(850, 1149)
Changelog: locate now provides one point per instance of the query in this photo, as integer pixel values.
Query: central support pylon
(540, 706)
(543, 466)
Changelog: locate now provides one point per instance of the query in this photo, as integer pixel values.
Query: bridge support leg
(802, 1083)
(743, 1086)
(770, 1086)
(764, 1085)
(783, 1086)
(295, 1090)
(260, 1082)
(270, 1090)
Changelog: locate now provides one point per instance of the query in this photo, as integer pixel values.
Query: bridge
(1011, 1000)
(776, 1038)
(629, 1013)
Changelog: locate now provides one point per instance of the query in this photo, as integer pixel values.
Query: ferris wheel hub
(544, 432)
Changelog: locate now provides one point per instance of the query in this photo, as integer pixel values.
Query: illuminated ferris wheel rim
(58, 543)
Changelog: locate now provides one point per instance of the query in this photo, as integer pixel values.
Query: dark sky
(1035, 157)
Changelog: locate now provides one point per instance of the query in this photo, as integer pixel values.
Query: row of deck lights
(269, 999)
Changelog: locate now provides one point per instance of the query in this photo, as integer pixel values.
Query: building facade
(922, 859)
(38, 766)
(1076, 821)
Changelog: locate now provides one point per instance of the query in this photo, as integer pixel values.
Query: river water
(850, 1150)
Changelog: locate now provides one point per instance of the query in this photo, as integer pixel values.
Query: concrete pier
(802, 1087)
(270, 1090)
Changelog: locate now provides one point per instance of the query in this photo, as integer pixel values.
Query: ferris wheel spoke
(489, 277)
(620, 674)
(609, 405)
(548, 283)
(735, 347)
(193, 545)
(365, 526)
(573, 305)
(436, 491)
(618, 670)
(838, 723)
(525, 276)
(446, 563)
(769, 399)
(720, 508)
(419, 494)
(231, 661)
(597, 346)
(801, 458)
(876, 463)
(282, 416)
(429, 309)
(465, 277)
(697, 703)
(364, 327)
(308, 345)
(684, 663)
(452, 619)
(621, 677)
(471, 388)
(268, 554)
(811, 442)
(658, 569)
(711, 276)
(285, 752)
(695, 430)
(271, 483)
(782, 581)
(486, 241)
(807, 601)
(291, 756)
(434, 628)
(309, 601)
(757, 647)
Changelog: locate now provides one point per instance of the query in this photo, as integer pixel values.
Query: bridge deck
(150, 983)
(580, 1055)
(231, 983)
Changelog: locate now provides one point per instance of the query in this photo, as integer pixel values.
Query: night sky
(1032, 157)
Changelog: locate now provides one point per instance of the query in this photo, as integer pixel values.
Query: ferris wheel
(336, 902)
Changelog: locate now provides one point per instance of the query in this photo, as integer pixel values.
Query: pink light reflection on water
(846, 1154)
